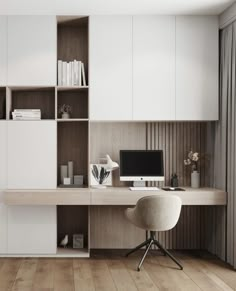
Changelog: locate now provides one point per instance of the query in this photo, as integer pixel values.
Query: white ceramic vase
(195, 179)
(65, 115)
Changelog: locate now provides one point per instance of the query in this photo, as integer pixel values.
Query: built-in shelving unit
(72, 140)
(72, 133)
(34, 151)
(2, 103)
(72, 220)
(33, 98)
(77, 98)
(72, 40)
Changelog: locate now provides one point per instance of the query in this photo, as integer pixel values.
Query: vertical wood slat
(176, 139)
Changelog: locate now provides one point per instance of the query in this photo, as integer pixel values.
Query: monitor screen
(141, 164)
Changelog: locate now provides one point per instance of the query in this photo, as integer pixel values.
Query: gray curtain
(225, 145)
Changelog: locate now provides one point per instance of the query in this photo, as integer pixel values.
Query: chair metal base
(148, 243)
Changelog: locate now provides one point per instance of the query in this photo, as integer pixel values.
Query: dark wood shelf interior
(42, 98)
(2, 103)
(72, 219)
(77, 99)
(73, 146)
(72, 41)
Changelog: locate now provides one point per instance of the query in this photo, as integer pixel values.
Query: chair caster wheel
(138, 269)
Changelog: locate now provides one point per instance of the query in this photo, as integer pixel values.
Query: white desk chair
(155, 213)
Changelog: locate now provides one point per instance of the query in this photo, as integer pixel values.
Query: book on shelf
(71, 73)
(83, 75)
(26, 114)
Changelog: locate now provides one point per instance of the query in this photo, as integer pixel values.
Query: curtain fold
(225, 145)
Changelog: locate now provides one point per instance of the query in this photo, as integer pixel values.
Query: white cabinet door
(154, 68)
(3, 50)
(32, 48)
(3, 226)
(197, 67)
(32, 154)
(32, 230)
(3, 154)
(110, 67)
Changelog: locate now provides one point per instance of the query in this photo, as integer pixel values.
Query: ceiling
(91, 7)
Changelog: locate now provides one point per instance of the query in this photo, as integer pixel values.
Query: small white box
(66, 181)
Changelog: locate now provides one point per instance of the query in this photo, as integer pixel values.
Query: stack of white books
(71, 73)
(26, 114)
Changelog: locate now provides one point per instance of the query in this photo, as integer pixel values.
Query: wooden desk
(109, 196)
(102, 212)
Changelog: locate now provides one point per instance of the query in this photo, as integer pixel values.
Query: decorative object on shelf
(64, 173)
(174, 180)
(101, 174)
(65, 111)
(70, 171)
(192, 160)
(65, 241)
(78, 180)
(78, 241)
(67, 181)
(195, 179)
(100, 177)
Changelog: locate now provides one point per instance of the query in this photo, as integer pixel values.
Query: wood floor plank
(63, 275)
(142, 280)
(121, 277)
(219, 272)
(8, 273)
(83, 277)
(25, 275)
(167, 276)
(44, 275)
(102, 276)
(204, 278)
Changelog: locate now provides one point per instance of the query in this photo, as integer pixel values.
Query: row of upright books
(26, 114)
(71, 73)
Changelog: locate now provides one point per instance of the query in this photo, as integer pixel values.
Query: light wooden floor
(116, 273)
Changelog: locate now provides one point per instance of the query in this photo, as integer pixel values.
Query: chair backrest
(158, 212)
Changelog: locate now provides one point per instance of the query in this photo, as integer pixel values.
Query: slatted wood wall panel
(199, 227)
(176, 140)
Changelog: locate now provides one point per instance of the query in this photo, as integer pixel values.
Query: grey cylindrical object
(195, 179)
(70, 171)
(64, 173)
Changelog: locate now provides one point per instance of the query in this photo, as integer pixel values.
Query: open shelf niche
(2, 103)
(34, 98)
(72, 141)
(77, 98)
(72, 220)
(72, 40)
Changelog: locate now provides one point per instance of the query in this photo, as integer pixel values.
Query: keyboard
(144, 188)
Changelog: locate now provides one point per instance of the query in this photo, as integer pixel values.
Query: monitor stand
(139, 184)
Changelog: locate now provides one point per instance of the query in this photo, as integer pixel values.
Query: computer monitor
(141, 165)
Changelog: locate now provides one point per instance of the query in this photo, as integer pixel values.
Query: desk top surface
(109, 196)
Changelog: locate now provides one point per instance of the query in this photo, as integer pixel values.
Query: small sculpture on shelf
(65, 111)
(65, 241)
